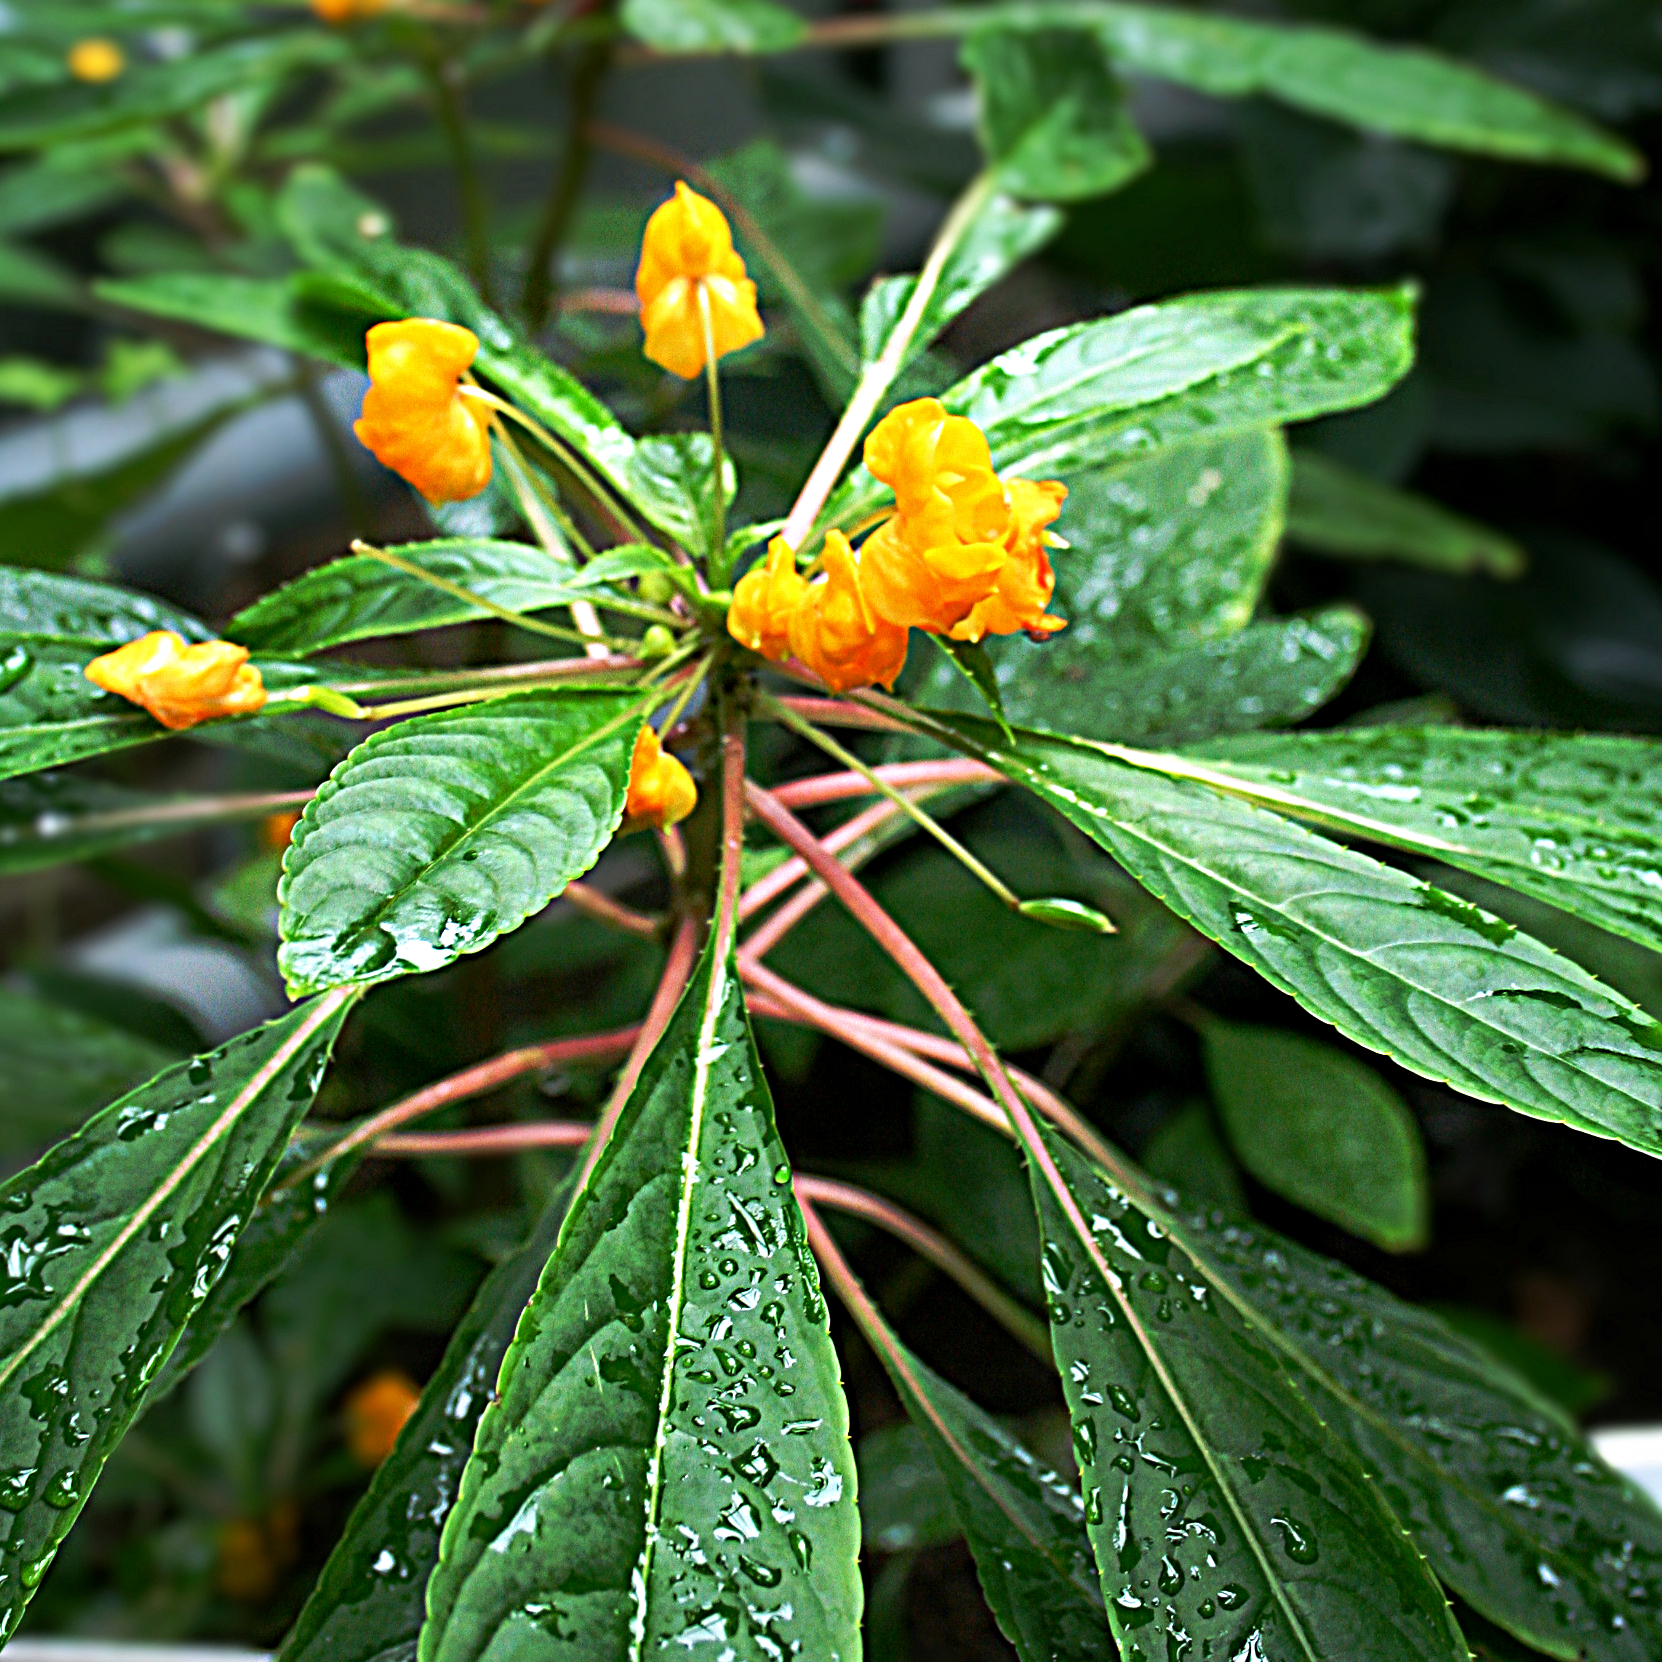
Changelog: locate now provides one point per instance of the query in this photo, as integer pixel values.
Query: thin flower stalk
(930, 1244)
(486, 1139)
(588, 900)
(837, 712)
(766, 890)
(839, 787)
(712, 388)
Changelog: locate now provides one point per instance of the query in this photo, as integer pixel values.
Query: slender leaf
(53, 608)
(57, 1067)
(1438, 984)
(1566, 818)
(1510, 1503)
(668, 1463)
(371, 1597)
(1223, 1513)
(1053, 119)
(436, 836)
(1208, 365)
(1025, 1523)
(1318, 1127)
(360, 597)
(713, 25)
(112, 1242)
(1335, 510)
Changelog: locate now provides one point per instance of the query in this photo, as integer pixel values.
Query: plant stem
(768, 889)
(837, 712)
(541, 278)
(924, 821)
(475, 209)
(470, 1082)
(928, 1243)
(592, 903)
(488, 1139)
(876, 377)
(838, 787)
(555, 530)
(188, 811)
(543, 672)
(718, 486)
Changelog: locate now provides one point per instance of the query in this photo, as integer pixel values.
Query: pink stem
(837, 787)
(836, 712)
(488, 1139)
(592, 903)
(928, 1243)
(471, 1082)
(677, 968)
(786, 876)
(732, 834)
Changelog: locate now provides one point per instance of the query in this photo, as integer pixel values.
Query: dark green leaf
(713, 25)
(1025, 1523)
(974, 663)
(51, 714)
(436, 836)
(904, 1500)
(1335, 510)
(1398, 966)
(1208, 365)
(30, 278)
(1188, 1153)
(1565, 818)
(112, 1242)
(371, 1597)
(669, 1456)
(1221, 1509)
(56, 1067)
(671, 479)
(1318, 1127)
(360, 597)
(53, 608)
(1053, 119)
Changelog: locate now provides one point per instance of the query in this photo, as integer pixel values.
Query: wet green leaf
(669, 1456)
(1441, 986)
(1053, 119)
(100, 615)
(112, 1242)
(359, 597)
(671, 479)
(438, 835)
(371, 1597)
(1220, 1508)
(713, 25)
(1061, 913)
(1335, 510)
(1024, 1522)
(1568, 818)
(1321, 1129)
(50, 714)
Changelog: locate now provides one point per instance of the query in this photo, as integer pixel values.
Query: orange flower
(1026, 582)
(836, 632)
(96, 60)
(415, 418)
(276, 829)
(376, 1411)
(661, 791)
(943, 550)
(765, 601)
(181, 685)
(252, 1553)
(343, 11)
(688, 252)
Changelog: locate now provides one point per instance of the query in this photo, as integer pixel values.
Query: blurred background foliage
(206, 473)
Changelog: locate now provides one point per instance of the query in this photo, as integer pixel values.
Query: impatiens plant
(637, 1442)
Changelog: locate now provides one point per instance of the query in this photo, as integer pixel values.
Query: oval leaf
(668, 1460)
(436, 836)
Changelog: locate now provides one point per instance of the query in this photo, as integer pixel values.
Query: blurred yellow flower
(344, 11)
(376, 1410)
(688, 252)
(181, 685)
(415, 418)
(96, 59)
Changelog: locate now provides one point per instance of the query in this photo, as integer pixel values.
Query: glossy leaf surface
(1568, 818)
(112, 1241)
(360, 597)
(53, 608)
(668, 1463)
(671, 480)
(435, 836)
(1321, 1129)
(50, 714)
(1024, 1522)
(1338, 511)
(1221, 1510)
(1053, 121)
(1438, 984)
(371, 1597)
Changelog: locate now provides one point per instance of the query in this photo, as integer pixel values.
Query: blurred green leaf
(712, 25)
(904, 1500)
(1188, 1153)
(1572, 1388)
(72, 610)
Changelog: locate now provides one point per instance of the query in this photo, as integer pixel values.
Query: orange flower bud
(415, 418)
(765, 601)
(376, 1411)
(837, 633)
(181, 685)
(942, 552)
(344, 11)
(1026, 582)
(688, 248)
(276, 829)
(96, 60)
(661, 791)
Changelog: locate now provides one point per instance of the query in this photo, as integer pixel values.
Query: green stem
(447, 106)
(718, 487)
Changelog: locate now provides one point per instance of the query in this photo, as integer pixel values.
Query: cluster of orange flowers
(963, 555)
(181, 685)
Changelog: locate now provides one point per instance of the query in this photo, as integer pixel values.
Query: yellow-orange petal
(687, 236)
(838, 634)
(764, 602)
(344, 11)
(96, 60)
(181, 685)
(1026, 582)
(687, 252)
(661, 791)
